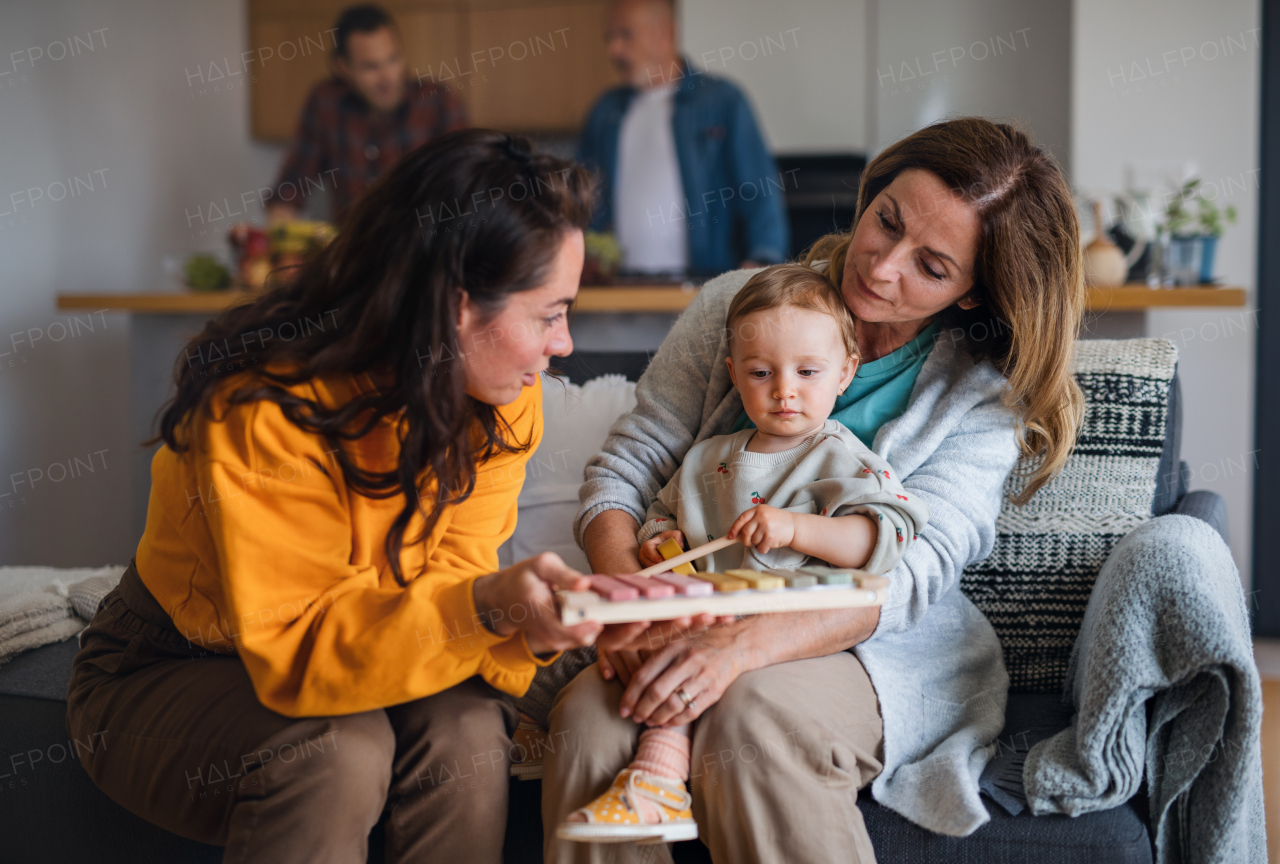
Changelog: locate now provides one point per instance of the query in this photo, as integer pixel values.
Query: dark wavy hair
(474, 209)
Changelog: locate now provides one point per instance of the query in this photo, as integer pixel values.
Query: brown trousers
(183, 742)
(776, 768)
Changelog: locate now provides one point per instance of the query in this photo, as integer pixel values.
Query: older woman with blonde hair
(963, 272)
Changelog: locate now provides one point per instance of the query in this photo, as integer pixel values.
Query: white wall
(1003, 59)
(809, 94)
(860, 74)
(1159, 86)
(123, 116)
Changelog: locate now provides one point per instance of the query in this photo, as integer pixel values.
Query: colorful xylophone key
(613, 590)
(686, 586)
(794, 578)
(829, 575)
(669, 548)
(649, 587)
(758, 580)
(725, 582)
(842, 576)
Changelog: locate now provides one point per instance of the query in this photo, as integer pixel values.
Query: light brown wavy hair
(798, 286)
(1027, 274)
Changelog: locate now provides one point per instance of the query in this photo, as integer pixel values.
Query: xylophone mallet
(692, 555)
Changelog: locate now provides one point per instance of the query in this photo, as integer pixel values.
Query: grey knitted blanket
(1163, 681)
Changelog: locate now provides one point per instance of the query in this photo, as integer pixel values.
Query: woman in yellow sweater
(314, 629)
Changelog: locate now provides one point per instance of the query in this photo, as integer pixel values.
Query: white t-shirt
(648, 195)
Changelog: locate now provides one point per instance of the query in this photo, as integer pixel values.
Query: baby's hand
(764, 528)
(649, 554)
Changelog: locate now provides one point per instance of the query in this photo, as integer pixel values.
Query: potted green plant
(1189, 240)
(1211, 221)
(1176, 215)
(1179, 246)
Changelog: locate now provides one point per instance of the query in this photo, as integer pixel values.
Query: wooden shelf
(630, 298)
(1134, 298)
(641, 298)
(635, 298)
(188, 303)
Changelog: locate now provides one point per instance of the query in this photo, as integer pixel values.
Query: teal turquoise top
(879, 391)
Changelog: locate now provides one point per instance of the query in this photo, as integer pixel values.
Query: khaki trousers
(180, 739)
(776, 768)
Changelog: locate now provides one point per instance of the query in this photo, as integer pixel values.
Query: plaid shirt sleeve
(307, 153)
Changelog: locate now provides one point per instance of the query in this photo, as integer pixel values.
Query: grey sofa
(50, 811)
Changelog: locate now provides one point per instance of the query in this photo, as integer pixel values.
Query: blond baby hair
(798, 286)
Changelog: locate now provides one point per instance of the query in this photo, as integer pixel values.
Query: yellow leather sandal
(616, 816)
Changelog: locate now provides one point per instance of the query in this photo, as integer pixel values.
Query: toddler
(797, 489)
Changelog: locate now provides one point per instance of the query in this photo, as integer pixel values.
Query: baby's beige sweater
(831, 474)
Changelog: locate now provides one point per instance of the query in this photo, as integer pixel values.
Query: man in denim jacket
(689, 185)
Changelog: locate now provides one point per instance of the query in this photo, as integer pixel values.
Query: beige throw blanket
(43, 605)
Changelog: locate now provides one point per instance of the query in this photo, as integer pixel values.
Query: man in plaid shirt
(357, 124)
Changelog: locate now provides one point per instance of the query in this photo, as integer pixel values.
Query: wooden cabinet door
(519, 66)
(554, 66)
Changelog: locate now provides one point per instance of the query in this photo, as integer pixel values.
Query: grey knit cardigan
(934, 660)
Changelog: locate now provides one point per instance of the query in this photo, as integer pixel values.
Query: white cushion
(576, 422)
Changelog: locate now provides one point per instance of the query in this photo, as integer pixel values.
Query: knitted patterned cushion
(1035, 584)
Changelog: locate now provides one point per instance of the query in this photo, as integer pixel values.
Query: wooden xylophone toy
(673, 589)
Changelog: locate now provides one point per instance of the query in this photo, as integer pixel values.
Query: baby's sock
(664, 752)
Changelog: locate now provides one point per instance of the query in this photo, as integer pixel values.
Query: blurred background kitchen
(186, 149)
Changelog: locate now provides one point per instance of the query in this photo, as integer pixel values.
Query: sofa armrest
(1206, 506)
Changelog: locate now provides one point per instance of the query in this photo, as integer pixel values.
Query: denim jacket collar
(685, 84)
